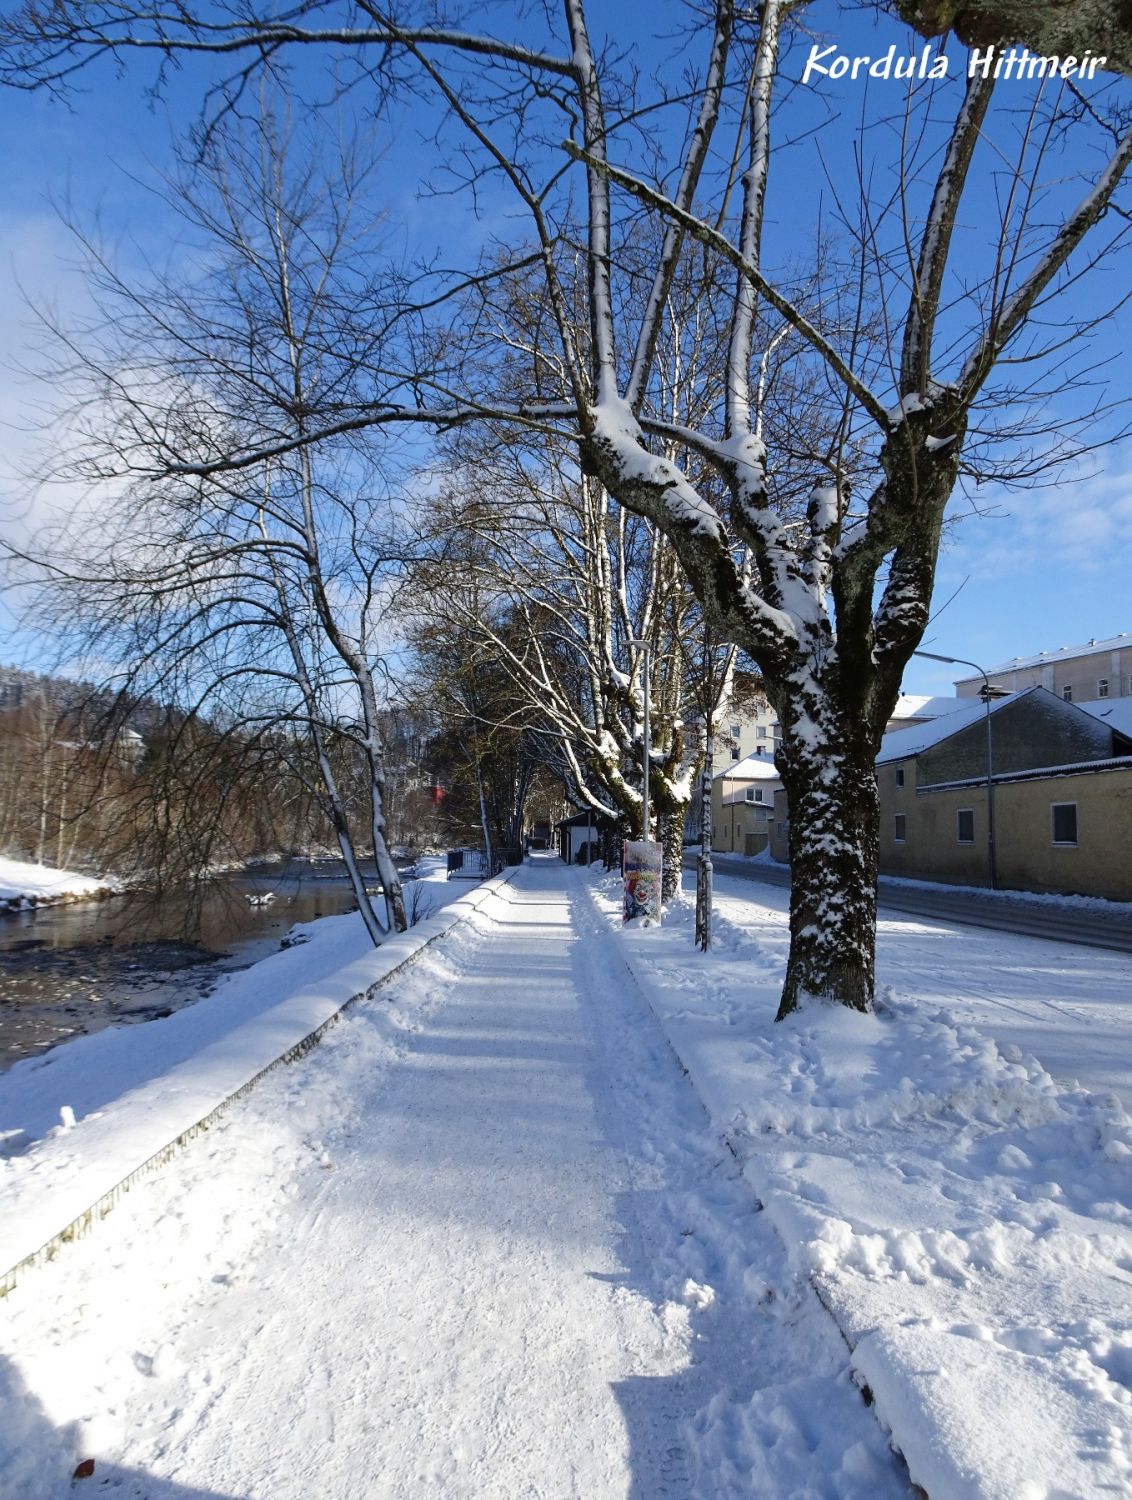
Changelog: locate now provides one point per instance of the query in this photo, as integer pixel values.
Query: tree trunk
(488, 851)
(834, 844)
(672, 853)
(396, 915)
(703, 864)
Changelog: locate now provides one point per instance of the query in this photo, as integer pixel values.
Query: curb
(82, 1223)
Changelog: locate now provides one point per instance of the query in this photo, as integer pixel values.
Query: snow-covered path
(530, 1270)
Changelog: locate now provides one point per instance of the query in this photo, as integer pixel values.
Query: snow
(901, 744)
(129, 1091)
(921, 706)
(1036, 898)
(1116, 712)
(481, 1242)
(753, 768)
(484, 1240)
(24, 884)
(965, 1214)
(616, 425)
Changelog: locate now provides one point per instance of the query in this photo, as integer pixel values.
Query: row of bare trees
(606, 369)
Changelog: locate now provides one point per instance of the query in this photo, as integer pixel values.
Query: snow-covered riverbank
(23, 885)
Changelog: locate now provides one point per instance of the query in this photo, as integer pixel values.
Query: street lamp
(987, 693)
(644, 649)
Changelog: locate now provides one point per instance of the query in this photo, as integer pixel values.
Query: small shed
(579, 837)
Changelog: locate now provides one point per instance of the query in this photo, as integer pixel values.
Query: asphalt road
(1055, 922)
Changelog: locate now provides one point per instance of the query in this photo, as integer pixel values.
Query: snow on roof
(917, 706)
(1043, 658)
(920, 737)
(754, 768)
(1116, 712)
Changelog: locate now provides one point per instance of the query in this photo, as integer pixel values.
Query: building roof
(579, 819)
(917, 706)
(754, 768)
(1116, 713)
(1063, 653)
(905, 742)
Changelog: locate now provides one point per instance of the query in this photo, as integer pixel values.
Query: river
(69, 970)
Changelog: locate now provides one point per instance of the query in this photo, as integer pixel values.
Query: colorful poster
(642, 869)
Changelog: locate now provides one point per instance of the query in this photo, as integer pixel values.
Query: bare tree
(264, 594)
(922, 330)
(573, 600)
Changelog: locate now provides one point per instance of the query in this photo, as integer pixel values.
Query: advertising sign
(642, 869)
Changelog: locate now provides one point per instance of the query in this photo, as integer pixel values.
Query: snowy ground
(482, 1242)
(1068, 1005)
(23, 884)
(967, 1218)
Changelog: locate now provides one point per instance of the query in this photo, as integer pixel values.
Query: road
(1056, 923)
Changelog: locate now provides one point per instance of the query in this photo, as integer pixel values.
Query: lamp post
(987, 694)
(644, 649)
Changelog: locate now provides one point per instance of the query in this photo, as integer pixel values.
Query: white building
(1077, 674)
(746, 731)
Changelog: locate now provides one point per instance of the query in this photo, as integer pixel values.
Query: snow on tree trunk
(834, 845)
(396, 915)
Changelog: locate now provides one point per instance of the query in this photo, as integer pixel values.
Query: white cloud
(1083, 525)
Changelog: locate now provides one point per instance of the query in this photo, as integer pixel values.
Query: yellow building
(742, 798)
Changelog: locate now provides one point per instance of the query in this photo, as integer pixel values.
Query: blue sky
(1043, 568)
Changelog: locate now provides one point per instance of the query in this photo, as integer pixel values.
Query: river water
(69, 970)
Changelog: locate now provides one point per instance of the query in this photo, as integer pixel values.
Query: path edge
(83, 1223)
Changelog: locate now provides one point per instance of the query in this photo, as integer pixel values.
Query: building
(579, 837)
(742, 804)
(1078, 674)
(1062, 798)
(746, 726)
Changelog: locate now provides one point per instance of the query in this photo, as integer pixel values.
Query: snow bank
(123, 1099)
(23, 885)
(966, 1220)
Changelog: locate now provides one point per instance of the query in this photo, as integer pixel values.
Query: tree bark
(834, 845)
(704, 864)
(1102, 27)
(672, 853)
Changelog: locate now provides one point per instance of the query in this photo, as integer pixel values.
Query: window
(899, 775)
(761, 732)
(735, 731)
(965, 825)
(735, 752)
(1102, 687)
(754, 794)
(1063, 818)
(899, 827)
(1067, 694)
